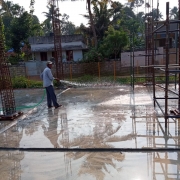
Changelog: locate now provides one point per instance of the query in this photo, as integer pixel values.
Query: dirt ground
(99, 117)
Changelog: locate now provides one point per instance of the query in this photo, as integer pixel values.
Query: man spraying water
(48, 78)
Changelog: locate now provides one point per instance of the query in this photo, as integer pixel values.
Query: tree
(36, 27)
(104, 16)
(101, 18)
(155, 14)
(92, 22)
(67, 27)
(136, 3)
(174, 13)
(47, 27)
(20, 31)
(114, 42)
(10, 9)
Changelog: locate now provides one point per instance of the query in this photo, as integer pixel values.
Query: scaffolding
(152, 29)
(156, 137)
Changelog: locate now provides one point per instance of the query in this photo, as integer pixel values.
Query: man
(48, 78)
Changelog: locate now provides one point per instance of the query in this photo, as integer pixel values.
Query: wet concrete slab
(90, 166)
(99, 117)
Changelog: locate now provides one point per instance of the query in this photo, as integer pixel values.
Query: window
(53, 54)
(69, 55)
(43, 56)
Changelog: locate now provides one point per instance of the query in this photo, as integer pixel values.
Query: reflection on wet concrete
(94, 118)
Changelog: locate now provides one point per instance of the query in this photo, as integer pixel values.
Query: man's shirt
(47, 77)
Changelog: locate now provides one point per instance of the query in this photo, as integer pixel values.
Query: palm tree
(174, 13)
(103, 17)
(155, 14)
(92, 22)
(136, 3)
(10, 9)
(47, 24)
(6, 6)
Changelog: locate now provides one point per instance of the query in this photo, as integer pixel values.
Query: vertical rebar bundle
(179, 55)
(6, 89)
(57, 37)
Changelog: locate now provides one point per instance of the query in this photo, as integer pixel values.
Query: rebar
(57, 38)
(6, 88)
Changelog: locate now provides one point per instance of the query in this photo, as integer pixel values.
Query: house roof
(65, 46)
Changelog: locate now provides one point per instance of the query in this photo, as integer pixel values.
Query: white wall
(35, 68)
(139, 60)
(78, 55)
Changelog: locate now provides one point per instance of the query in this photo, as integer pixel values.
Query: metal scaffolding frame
(152, 28)
(155, 132)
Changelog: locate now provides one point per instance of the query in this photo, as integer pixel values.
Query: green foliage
(174, 13)
(13, 60)
(19, 25)
(114, 42)
(22, 82)
(2, 37)
(67, 27)
(93, 55)
(20, 31)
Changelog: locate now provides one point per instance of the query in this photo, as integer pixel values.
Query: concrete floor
(101, 117)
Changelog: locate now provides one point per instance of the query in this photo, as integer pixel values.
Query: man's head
(49, 64)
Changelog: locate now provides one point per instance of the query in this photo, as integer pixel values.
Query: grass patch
(22, 82)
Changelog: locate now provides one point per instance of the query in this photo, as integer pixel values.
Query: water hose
(33, 106)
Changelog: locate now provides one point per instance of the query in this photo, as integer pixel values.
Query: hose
(26, 107)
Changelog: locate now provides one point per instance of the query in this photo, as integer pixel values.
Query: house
(42, 48)
(73, 47)
(160, 35)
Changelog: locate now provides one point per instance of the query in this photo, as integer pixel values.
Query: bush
(93, 56)
(22, 82)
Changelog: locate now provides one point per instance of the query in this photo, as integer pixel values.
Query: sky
(75, 9)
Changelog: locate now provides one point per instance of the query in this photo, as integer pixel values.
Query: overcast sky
(75, 9)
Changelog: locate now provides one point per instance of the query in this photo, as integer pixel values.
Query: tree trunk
(92, 23)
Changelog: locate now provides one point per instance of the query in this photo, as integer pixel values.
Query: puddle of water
(90, 166)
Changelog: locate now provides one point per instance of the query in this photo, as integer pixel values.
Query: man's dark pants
(51, 97)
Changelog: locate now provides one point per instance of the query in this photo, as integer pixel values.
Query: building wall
(73, 69)
(77, 55)
(17, 70)
(139, 58)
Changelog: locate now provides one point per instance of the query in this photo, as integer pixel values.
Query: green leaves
(114, 42)
(20, 29)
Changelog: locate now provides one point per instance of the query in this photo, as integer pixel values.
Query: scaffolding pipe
(167, 63)
(179, 55)
(153, 71)
(168, 89)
